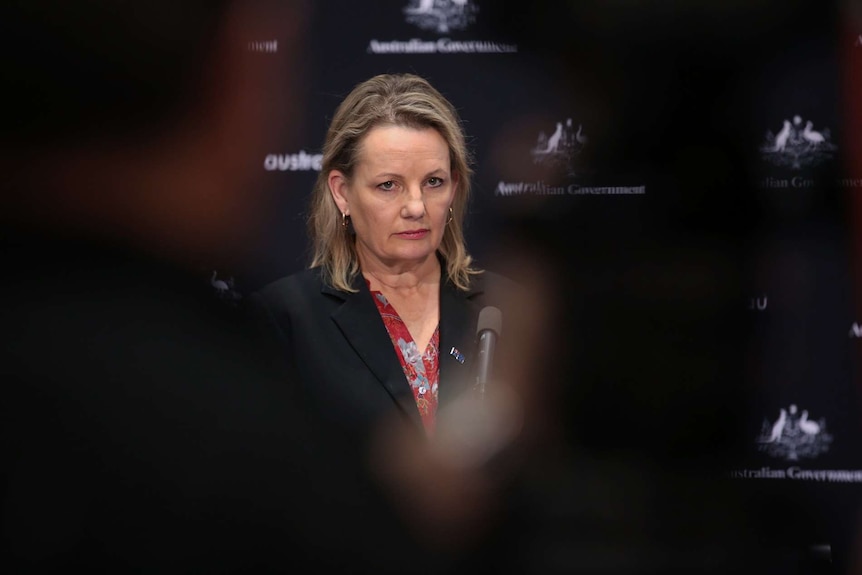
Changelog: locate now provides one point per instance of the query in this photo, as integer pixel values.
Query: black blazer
(336, 345)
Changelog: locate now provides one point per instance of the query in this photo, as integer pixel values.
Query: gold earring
(451, 215)
(343, 219)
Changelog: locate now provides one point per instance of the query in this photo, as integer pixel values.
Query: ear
(456, 182)
(339, 188)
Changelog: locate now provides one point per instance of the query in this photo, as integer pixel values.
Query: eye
(435, 182)
(387, 185)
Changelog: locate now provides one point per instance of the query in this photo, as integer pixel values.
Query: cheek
(441, 208)
(370, 223)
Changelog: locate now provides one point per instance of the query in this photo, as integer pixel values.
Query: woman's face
(399, 196)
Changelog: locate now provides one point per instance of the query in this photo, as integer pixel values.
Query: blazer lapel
(458, 315)
(360, 322)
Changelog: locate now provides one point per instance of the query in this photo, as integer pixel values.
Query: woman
(384, 320)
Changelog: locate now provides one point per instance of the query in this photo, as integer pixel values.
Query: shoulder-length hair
(403, 100)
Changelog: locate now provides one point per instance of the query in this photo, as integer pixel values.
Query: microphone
(475, 428)
(488, 328)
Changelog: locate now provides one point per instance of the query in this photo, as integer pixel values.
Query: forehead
(390, 143)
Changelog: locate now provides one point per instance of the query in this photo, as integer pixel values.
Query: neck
(404, 277)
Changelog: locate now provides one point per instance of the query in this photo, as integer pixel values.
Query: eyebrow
(397, 175)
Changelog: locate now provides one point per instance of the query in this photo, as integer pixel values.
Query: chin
(415, 255)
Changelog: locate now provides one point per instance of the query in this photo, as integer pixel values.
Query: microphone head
(490, 318)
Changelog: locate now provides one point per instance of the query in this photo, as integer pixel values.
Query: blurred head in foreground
(143, 127)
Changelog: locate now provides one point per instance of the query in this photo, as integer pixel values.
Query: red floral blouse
(422, 371)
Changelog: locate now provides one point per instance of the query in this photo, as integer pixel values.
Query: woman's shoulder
(493, 282)
(491, 288)
(285, 289)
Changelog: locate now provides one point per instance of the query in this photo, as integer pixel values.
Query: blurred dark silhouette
(142, 430)
(650, 353)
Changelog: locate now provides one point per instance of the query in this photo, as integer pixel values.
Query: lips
(413, 234)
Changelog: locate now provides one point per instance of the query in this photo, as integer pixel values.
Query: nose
(414, 205)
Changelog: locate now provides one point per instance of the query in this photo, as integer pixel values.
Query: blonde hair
(386, 100)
